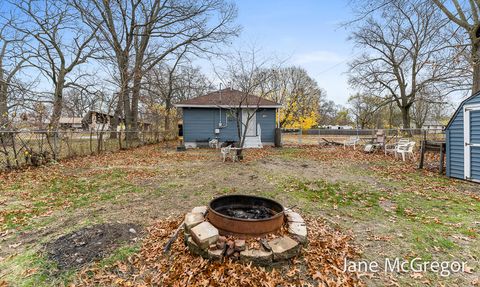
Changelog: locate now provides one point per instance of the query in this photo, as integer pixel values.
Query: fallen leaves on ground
(321, 264)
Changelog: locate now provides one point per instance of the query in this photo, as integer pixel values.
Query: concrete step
(253, 142)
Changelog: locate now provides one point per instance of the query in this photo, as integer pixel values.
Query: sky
(306, 33)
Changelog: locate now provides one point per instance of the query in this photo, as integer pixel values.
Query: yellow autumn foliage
(296, 122)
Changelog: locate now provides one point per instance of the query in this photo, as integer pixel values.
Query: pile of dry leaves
(320, 264)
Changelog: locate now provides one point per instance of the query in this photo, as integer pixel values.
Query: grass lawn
(389, 208)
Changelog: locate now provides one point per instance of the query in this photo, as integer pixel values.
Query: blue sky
(306, 33)
(303, 32)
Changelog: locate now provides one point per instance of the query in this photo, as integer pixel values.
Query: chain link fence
(296, 137)
(22, 148)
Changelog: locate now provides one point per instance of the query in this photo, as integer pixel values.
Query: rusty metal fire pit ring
(228, 225)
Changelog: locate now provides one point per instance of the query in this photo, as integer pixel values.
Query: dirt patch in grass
(88, 244)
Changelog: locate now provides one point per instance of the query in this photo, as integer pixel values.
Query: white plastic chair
(405, 150)
(352, 141)
(393, 147)
(214, 143)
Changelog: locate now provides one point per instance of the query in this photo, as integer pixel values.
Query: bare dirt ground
(389, 208)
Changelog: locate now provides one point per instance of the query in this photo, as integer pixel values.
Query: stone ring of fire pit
(204, 238)
(245, 215)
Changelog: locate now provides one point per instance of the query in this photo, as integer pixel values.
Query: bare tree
(169, 83)
(366, 110)
(249, 73)
(407, 53)
(11, 63)
(327, 112)
(59, 45)
(78, 102)
(142, 34)
(465, 14)
(296, 91)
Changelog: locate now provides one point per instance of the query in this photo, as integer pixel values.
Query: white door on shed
(249, 120)
(471, 135)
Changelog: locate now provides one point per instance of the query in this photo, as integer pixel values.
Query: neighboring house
(99, 121)
(70, 123)
(463, 140)
(212, 116)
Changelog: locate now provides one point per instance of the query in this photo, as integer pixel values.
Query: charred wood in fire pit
(257, 212)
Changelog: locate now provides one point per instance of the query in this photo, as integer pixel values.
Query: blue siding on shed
(455, 159)
(199, 124)
(455, 141)
(475, 166)
(229, 130)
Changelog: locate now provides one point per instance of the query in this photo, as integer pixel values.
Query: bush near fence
(21, 148)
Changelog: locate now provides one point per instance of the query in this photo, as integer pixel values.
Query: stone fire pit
(245, 228)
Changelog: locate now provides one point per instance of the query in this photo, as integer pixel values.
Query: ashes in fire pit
(255, 212)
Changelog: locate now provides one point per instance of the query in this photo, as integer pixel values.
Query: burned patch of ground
(89, 244)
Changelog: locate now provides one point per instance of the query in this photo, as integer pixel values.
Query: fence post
(300, 136)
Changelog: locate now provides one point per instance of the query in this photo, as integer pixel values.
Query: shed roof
(459, 108)
(228, 98)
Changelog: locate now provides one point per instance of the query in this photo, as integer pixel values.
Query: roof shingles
(228, 98)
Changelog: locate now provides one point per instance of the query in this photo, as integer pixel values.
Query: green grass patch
(338, 194)
(30, 268)
(67, 194)
(120, 254)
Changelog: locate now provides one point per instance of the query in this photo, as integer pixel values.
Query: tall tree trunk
(476, 66)
(168, 109)
(122, 62)
(3, 98)
(406, 116)
(137, 82)
(3, 105)
(127, 113)
(57, 101)
(117, 115)
(126, 98)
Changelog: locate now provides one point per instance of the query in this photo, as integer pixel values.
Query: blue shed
(463, 140)
(213, 116)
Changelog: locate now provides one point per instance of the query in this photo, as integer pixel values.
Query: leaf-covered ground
(359, 205)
